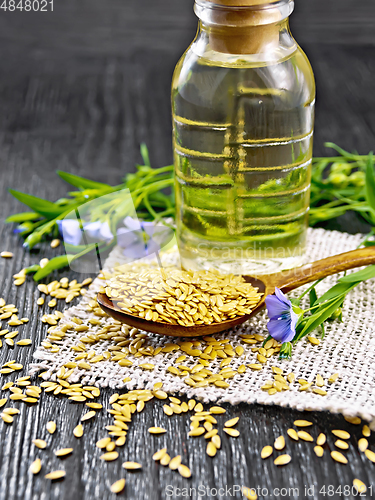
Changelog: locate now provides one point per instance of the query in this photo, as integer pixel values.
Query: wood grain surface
(79, 90)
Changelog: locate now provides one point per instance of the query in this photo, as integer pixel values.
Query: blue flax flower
(283, 320)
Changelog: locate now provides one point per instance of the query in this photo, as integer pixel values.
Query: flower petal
(132, 223)
(281, 296)
(281, 329)
(275, 307)
(70, 231)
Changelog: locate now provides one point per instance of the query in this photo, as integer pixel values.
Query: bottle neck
(250, 27)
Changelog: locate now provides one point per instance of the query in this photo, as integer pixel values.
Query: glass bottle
(243, 97)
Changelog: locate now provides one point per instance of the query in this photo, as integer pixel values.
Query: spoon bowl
(285, 281)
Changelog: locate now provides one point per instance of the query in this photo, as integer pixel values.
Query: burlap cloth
(348, 349)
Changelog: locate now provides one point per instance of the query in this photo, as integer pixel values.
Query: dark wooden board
(79, 93)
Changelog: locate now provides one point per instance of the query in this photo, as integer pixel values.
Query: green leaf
(32, 269)
(23, 217)
(335, 291)
(363, 275)
(145, 155)
(370, 182)
(318, 318)
(81, 182)
(53, 264)
(39, 205)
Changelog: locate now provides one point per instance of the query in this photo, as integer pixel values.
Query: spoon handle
(294, 278)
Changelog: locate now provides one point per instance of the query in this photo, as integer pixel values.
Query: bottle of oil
(243, 98)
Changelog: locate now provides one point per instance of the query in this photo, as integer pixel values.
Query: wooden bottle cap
(241, 31)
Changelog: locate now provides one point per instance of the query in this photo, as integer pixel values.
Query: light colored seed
(313, 340)
(63, 452)
(57, 474)
(132, 465)
(353, 420)
(6, 255)
(341, 434)
(110, 456)
(292, 434)
(3, 402)
(321, 392)
(370, 455)
(51, 427)
(333, 378)
(249, 493)
(197, 432)
(217, 410)
(24, 342)
(40, 301)
(279, 443)
(360, 486)
(159, 454)
(40, 443)
(11, 411)
(366, 431)
(55, 243)
(78, 431)
(339, 457)
(165, 459)
(8, 419)
(302, 423)
(36, 466)
(211, 449)
(266, 452)
(102, 443)
(156, 430)
(88, 416)
(232, 432)
(175, 462)
(216, 441)
(305, 436)
(282, 459)
(318, 451)
(120, 441)
(232, 422)
(118, 486)
(184, 471)
(94, 406)
(321, 439)
(343, 445)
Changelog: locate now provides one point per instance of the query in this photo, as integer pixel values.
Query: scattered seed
(165, 459)
(362, 444)
(132, 465)
(319, 451)
(78, 431)
(197, 432)
(339, 457)
(249, 493)
(232, 432)
(302, 423)
(63, 452)
(353, 420)
(282, 459)
(40, 443)
(279, 444)
(110, 456)
(359, 485)
(6, 255)
(159, 454)
(156, 430)
(341, 434)
(305, 436)
(313, 340)
(232, 422)
(118, 486)
(8, 419)
(370, 455)
(266, 452)
(51, 427)
(88, 416)
(175, 462)
(211, 449)
(343, 445)
(321, 439)
(184, 471)
(333, 378)
(366, 431)
(36, 466)
(57, 474)
(216, 410)
(55, 243)
(102, 443)
(292, 434)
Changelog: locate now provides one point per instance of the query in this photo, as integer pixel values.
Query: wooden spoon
(285, 280)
